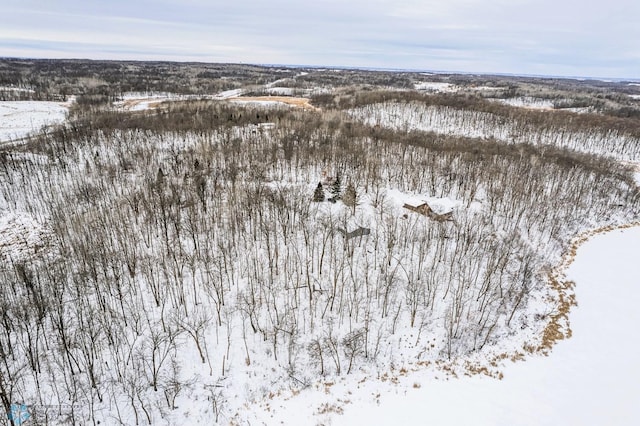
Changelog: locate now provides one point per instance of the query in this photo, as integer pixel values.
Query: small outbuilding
(358, 232)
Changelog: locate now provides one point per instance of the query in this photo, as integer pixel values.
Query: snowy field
(19, 118)
(591, 378)
(137, 101)
(141, 101)
(527, 102)
(277, 97)
(438, 87)
(229, 94)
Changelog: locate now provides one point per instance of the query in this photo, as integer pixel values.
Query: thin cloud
(515, 36)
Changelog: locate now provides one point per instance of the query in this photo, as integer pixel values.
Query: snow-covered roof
(438, 205)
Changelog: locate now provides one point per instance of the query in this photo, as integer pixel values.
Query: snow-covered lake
(592, 378)
(19, 118)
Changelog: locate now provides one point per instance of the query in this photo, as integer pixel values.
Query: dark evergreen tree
(318, 194)
(336, 188)
(159, 183)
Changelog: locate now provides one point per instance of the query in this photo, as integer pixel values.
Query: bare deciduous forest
(215, 252)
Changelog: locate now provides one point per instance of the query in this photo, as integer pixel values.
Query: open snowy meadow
(20, 118)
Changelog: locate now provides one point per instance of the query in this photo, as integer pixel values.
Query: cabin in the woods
(425, 210)
(359, 232)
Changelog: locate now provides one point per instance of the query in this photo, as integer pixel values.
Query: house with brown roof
(425, 210)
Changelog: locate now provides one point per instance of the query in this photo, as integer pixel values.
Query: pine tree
(318, 194)
(350, 197)
(160, 177)
(159, 183)
(336, 188)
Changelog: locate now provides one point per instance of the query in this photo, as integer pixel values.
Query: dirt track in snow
(303, 103)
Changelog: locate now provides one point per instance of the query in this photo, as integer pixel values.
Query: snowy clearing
(16, 89)
(20, 118)
(227, 94)
(282, 91)
(139, 104)
(527, 102)
(141, 101)
(486, 88)
(433, 86)
(439, 205)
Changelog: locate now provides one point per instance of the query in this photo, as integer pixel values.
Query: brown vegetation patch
(558, 327)
(289, 100)
(130, 104)
(327, 408)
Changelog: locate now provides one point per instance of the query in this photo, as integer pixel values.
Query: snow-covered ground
(21, 236)
(16, 89)
(434, 86)
(19, 118)
(141, 101)
(443, 87)
(277, 97)
(229, 94)
(527, 102)
(591, 378)
(486, 88)
(259, 102)
(438, 205)
(613, 143)
(531, 102)
(281, 91)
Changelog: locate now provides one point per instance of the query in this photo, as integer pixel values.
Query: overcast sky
(547, 37)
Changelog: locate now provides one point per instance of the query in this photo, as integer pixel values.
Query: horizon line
(343, 68)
